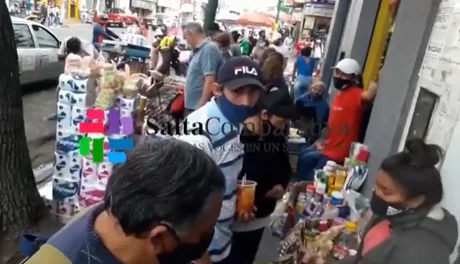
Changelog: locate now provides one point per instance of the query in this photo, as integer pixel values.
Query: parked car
(118, 17)
(38, 50)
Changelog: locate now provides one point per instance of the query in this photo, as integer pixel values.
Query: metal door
(26, 53)
(48, 49)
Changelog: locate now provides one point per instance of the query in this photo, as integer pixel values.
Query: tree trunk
(21, 204)
(210, 14)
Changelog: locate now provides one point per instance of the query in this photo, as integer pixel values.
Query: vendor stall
(100, 103)
(96, 107)
(322, 220)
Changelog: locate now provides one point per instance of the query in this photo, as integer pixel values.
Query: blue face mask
(235, 113)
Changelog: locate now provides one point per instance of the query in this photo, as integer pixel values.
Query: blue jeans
(310, 159)
(301, 85)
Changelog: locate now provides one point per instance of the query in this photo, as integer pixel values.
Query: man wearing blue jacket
(101, 32)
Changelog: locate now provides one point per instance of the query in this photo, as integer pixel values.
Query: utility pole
(278, 9)
(210, 14)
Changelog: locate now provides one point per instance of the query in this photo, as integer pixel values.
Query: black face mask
(184, 253)
(341, 84)
(384, 209)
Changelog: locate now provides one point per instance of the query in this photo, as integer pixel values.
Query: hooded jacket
(425, 237)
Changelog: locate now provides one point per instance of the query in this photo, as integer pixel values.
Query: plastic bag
(359, 210)
(105, 99)
(279, 217)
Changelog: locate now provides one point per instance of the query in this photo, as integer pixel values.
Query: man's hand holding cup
(245, 209)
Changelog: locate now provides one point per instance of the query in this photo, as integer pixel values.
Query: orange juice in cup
(245, 193)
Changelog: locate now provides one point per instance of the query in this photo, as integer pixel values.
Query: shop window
(423, 111)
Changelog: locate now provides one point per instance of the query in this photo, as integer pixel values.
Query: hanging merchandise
(359, 153)
(78, 180)
(356, 177)
(68, 163)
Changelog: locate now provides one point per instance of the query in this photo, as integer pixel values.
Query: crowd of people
(49, 15)
(174, 199)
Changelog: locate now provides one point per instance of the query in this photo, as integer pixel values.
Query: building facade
(143, 7)
(317, 17)
(314, 15)
(168, 6)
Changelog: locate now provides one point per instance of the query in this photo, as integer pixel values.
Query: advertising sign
(319, 10)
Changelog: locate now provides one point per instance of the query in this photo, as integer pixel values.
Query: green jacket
(244, 46)
(425, 237)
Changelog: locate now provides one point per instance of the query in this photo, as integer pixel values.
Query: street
(85, 31)
(40, 102)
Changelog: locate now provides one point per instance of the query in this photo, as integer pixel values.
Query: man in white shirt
(318, 49)
(281, 48)
(288, 42)
(239, 82)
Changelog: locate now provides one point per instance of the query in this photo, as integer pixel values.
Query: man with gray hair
(203, 65)
(315, 98)
(160, 206)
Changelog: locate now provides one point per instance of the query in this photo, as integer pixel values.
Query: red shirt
(344, 123)
(376, 235)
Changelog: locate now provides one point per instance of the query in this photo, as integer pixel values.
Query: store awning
(226, 17)
(283, 17)
(255, 19)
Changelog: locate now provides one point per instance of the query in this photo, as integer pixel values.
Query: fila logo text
(245, 70)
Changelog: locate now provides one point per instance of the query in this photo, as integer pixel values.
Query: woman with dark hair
(304, 67)
(408, 226)
(77, 46)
